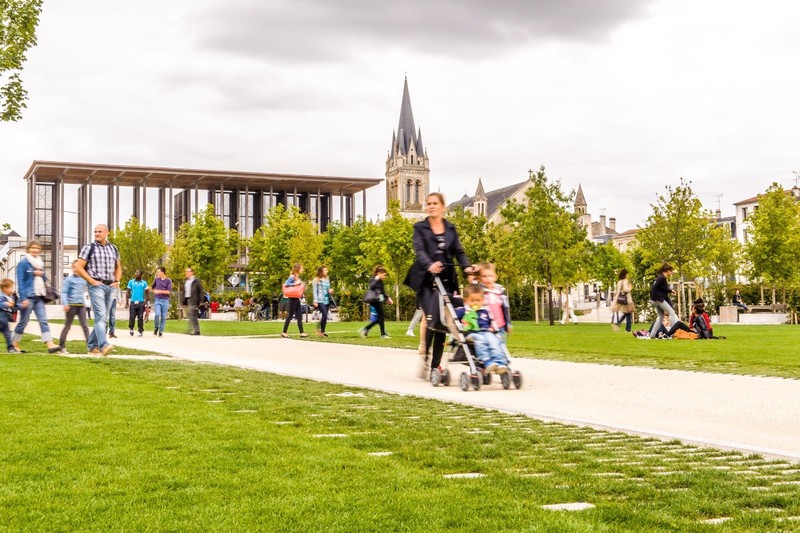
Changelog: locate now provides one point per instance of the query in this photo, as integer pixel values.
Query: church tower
(407, 168)
(479, 201)
(584, 218)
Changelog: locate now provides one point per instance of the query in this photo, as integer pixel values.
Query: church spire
(406, 130)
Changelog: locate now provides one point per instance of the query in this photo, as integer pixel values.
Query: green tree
(605, 263)
(773, 247)
(473, 232)
(543, 237)
(390, 244)
(287, 237)
(139, 247)
(205, 245)
(676, 230)
(343, 255)
(722, 257)
(18, 22)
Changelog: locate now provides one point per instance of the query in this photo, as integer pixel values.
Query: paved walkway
(752, 414)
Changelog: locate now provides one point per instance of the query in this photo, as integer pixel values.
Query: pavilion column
(171, 200)
(110, 205)
(116, 204)
(161, 211)
(341, 206)
(364, 203)
(31, 206)
(90, 227)
(137, 203)
(144, 203)
(319, 210)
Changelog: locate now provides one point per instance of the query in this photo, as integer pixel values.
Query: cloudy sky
(621, 96)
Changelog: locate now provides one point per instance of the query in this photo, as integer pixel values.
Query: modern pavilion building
(241, 199)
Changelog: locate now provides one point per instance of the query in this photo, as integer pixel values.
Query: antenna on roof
(719, 203)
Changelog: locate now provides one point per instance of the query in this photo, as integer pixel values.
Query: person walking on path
(436, 244)
(72, 294)
(162, 289)
(659, 299)
(568, 308)
(623, 302)
(32, 290)
(99, 264)
(376, 295)
(294, 283)
(193, 297)
(7, 306)
(137, 294)
(322, 297)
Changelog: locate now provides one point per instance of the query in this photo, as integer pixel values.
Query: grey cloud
(324, 30)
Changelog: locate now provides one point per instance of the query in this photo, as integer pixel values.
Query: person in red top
(700, 322)
(214, 306)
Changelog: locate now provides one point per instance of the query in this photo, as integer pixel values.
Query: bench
(774, 308)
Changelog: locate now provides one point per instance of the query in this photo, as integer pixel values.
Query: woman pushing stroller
(436, 245)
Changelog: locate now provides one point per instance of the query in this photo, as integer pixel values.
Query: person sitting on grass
(480, 328)
(666, 330)
(700, 322)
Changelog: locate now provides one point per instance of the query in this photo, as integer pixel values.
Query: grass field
(127, 445)
(756, 350)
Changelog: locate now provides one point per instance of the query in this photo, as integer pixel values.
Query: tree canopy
(773, 246)
(18, 22)
(139, 247)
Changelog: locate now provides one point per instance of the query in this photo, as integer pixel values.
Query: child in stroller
(478, 326)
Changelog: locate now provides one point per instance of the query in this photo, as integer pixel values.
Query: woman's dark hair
(321, 271)
(380, 269)
(623, 273)
(666, 267)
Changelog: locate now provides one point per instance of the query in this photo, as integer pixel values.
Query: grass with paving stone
(753, 350)
(99, 444)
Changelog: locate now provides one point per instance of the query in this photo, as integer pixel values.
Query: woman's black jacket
(425, 247)
(660, 290)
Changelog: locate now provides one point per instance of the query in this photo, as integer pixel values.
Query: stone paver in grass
(718, 520)
(380, 454)
(574, 506)
(466, 475)
(246, 411)
(284, 423)
(330, 436)
(215, 401)
(348, 394)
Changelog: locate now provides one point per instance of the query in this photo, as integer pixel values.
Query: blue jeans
(102, 297)
(661, 308)
(36, 305)
(112, 315)
(161, 308)
(488, 347)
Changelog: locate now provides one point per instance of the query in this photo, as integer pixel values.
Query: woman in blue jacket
(32, 290)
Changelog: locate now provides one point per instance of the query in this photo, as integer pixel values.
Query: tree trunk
(397, 301)
(536, 303)
(550, 302)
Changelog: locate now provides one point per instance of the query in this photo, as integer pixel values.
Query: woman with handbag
(436, 245)
(623, 302)
(293, 289)
(375, 296)
(32, 285)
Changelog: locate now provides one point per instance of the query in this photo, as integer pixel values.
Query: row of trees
(540, 242)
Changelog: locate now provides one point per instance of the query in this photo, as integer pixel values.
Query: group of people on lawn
(437, 251)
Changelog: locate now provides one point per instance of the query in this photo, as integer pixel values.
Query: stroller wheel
(436, 377)
(476, 381)
(446, 377)
(487, 378)
(517, 377)
(464, 381)
(505, 379)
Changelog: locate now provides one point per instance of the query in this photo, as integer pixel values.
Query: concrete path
(752, 414)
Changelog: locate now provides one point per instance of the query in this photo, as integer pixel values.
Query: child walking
(7, 306)
(377, 289)
(74, 304)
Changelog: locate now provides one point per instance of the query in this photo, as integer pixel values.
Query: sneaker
(14, 350)
(362, 332)
(324, 334)
(141, 334)
(384, 336)
(132, 333)
(94, 352)
(491, 367)
(160, 333)
(304, 334)
(112, 336)
(410, 333)
(155, 332)
(107, 350)
(285, 335)
(56, 349)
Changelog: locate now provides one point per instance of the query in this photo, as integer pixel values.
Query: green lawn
(757, 350)
(32, 344)
(131, 445)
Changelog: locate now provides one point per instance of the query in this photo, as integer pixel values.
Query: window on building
(408, 192)
(744, 213)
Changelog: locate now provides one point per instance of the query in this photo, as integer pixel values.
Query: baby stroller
(462, 352)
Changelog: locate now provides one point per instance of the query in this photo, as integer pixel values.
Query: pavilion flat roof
(182, 178)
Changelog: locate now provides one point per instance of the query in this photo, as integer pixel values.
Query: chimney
(603, 224)
(612, 223)
(718, 213)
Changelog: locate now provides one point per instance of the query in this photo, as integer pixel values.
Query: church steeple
(407, 169)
